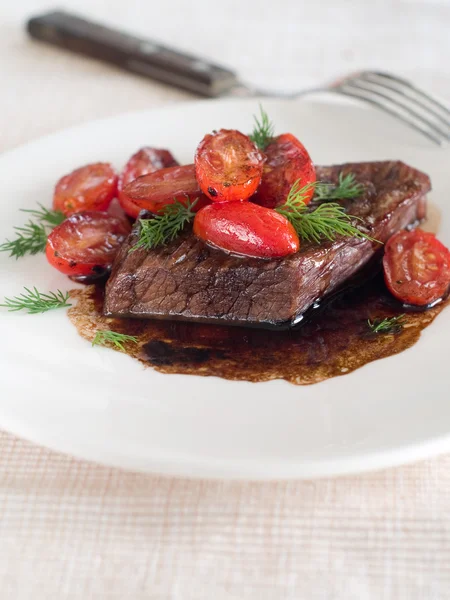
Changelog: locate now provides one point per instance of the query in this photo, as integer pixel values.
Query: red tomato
(287, 160)
(88, 188)
(245, 228)
(228, 165)
(146, 160)
(115, 210)
(416, 267)
(166, 186)
(131, 209)
(86, 243)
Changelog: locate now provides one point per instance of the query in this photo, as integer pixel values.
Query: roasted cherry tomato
(115, 209)
(287, 161)
(86, 243)
(131, 209)
(154, 191)
(416, 267)
(228, 165)
(88, 188)
(245, 228)
(146, 160)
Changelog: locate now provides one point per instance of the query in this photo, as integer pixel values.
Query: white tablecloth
(73, 530)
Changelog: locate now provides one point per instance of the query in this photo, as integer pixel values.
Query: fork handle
(138, 55)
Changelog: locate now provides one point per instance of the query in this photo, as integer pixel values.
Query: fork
(386, 91)
(400, 98)
(390, 93)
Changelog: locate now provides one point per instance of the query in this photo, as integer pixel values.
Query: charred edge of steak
(188, 280)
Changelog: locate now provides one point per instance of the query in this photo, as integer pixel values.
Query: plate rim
(248, 470)
(228, 468)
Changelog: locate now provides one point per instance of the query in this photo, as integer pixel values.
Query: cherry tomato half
(131, 209)
(154, 191)
(287, 161)
(416, 267)
(146, 160)
(245, 228)
(228, 166)
(86, 243)
(91, 187)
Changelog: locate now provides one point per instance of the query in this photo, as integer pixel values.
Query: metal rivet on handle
(200, 66)
(148, 48)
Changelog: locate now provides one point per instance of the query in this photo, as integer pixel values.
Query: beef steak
(189, 280)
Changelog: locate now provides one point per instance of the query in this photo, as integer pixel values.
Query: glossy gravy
(333, 340)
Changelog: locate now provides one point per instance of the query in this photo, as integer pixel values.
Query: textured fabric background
(72, 530)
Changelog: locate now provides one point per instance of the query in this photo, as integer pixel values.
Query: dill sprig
(164, 227)
(263, 130)
(32, 237)
(44, 215)
(327, 221)
(103, 337)
(392, 325)
(347, 187)
(35, 302)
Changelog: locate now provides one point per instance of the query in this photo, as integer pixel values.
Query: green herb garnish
(103, 337)
(347, 187)
(263, 130)
(327, 221)
(44, 215)
(32, 237)
(35, 302)
(164, 227)
(392, 325)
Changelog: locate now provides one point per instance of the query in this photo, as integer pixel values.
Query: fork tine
(407, 84)
(370, 90)
(360, 95)
(412, 94)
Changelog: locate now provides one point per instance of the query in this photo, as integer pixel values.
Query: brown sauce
(333, 340)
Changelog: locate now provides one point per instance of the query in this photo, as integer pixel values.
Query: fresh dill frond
(347, 187)
(35, 302)
(44, 215)
(392, 325)
(31, 239)
(327, 221)
(263, 131)
(164, 227)
(103, 337)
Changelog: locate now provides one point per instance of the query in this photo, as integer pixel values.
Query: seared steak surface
(189, 280)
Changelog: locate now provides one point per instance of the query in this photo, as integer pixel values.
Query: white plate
(98, 404)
